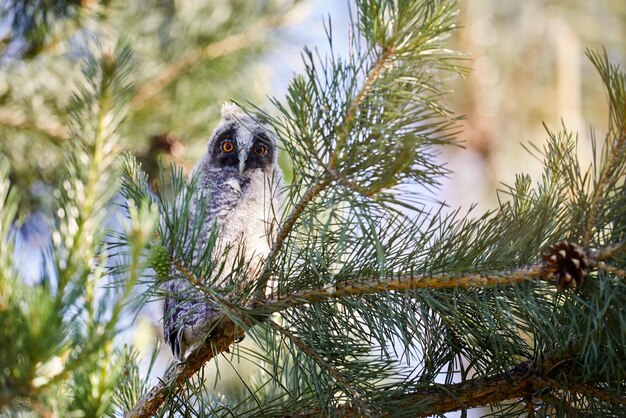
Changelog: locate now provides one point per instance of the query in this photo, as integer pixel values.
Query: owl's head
(242, 143)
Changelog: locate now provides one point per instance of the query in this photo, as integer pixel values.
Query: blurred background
(528, 67)
(527, 61)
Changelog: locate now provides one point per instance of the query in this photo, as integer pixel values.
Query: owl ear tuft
(231, 111)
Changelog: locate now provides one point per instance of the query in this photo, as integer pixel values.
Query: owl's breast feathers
(244, 210)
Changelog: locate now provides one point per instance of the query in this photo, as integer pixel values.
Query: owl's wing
(186, 312)
(173, 311)
(187, 316)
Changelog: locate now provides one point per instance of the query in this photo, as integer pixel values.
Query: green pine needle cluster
(59, 354)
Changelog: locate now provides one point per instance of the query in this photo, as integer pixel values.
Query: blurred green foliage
(190, 58)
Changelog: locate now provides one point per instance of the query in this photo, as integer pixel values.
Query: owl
(240, 181)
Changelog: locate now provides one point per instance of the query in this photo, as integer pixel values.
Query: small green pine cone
(160, 260)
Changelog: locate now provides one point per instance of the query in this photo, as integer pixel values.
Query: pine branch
(588, 391)
(373, 75)
(607, 179)
(521, 382)
(474, 393)
(285, 230)
(524, 381)
(613, 162)
(437, 281)
(331, 173)
(223, 335)
(368, 286)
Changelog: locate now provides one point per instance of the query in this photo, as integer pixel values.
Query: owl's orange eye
(260, 149)
(228, 146)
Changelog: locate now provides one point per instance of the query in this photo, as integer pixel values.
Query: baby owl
(240, 179)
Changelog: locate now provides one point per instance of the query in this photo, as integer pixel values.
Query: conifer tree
(380, 302)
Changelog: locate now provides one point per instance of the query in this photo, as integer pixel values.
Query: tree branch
(316, 188)
(404, 283)
(524, 381)
(285, 230)
(174, 380)
(372, 76)
(472, 393)
(588, 391)
(224, 334)
(481, 391)
(364, 287)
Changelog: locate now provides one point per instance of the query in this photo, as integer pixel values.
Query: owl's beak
(242, 163)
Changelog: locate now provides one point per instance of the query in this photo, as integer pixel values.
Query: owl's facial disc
(241, 149)
(224, 152)
(260, 154)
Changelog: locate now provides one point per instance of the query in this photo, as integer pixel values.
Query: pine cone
(160, 260)
(567, 263)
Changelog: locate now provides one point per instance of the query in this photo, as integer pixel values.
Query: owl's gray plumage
(241, 186)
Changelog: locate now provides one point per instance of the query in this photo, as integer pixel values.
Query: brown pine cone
(567, 263)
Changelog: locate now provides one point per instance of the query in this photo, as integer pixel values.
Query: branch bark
(525, 381)
(174, 380)
(405, 283)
